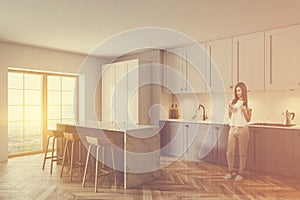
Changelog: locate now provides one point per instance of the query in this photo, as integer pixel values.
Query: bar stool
(99, 142)
(54, 134)
(73, 138)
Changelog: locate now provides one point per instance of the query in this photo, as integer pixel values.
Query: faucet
(204, 117)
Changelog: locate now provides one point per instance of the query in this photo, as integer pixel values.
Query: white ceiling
(80, 25)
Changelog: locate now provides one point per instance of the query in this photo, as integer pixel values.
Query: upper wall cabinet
(181, 74)
(282, 63)
(248, 60)
(195, 68)
(219, 61)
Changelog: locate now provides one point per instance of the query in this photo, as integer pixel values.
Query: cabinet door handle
(238, 61)
(186, 69)
(254, 147)
(210, 54)
(271, 59)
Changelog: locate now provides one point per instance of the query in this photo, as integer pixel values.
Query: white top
(237, 117)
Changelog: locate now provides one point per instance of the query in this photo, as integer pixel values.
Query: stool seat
(100, 142)
(71, 137)
(54, 134)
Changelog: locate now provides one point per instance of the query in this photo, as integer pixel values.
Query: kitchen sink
(272, 124)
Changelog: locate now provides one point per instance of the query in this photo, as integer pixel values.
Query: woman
(240, 114)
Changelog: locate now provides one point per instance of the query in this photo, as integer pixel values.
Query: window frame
(44, 103)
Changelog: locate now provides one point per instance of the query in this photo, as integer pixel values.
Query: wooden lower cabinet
(216, 144)
(296, 154)
(271, 150)
(171, 142)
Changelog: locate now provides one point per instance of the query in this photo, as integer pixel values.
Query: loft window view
(36, 102)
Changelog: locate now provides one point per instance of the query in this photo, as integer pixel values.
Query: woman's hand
(246, 112)
(230, 110)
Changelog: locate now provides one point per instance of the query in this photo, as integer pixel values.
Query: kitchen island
(136, 148)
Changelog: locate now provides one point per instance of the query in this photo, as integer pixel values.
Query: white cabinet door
(133, 91)
(282, 68)
(120, 92)
(184, 76)
(202, 144)
(108, 87)
(219, 62)
(248, 60)
(177, 145)
(173, 71)
(195, 59)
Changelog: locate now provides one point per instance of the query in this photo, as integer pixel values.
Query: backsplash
(267, 105)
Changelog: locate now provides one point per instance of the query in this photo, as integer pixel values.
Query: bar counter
(136, 148)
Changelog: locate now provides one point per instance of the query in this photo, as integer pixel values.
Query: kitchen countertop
(196, 121)
(296, 127)
(110, 126)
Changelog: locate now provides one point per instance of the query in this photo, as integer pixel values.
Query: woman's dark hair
(244, 94)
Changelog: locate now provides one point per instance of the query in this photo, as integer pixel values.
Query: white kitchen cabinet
(173, 71)
(248, 60)
(119, 99)
(220, 62)
(197, 134)
(181, 139)
(184, 76)
(195, 59)
(215, 144)
(120, 93)
(108, 87)
(172, 139)
(282, 47)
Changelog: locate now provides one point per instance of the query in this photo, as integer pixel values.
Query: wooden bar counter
(136, 148)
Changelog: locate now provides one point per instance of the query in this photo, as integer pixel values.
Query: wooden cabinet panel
(296, 154)
(272, 150)
(278, 149)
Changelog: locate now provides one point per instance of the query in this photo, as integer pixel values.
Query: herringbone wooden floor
(22, 178)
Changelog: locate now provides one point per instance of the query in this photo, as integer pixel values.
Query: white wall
(32, 58)
(267, 105)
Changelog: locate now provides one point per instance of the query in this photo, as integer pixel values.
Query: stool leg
(52, 155)
(97, 169)
(103, 157)
(64, 158)
(46, 152)
(86, 165)
(114, 167)
(79, 151)
(72, 155)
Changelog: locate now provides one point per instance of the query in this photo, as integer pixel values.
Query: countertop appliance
(288, 117)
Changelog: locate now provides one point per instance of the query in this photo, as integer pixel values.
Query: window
(36, 102)
(61, 100)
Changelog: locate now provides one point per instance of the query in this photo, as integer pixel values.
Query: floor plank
(23, 178)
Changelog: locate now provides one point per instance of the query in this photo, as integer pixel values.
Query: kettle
(288, 117)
